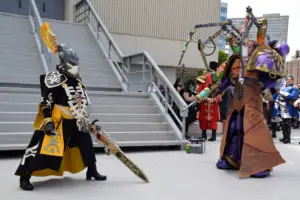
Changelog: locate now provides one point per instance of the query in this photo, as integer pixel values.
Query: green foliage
(187, 78)
(222, 57)
(201, 72)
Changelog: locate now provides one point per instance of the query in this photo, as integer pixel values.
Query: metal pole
(183, 127)
(144, 66)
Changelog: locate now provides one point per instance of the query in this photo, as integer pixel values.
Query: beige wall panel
(164, 52)
(167, 19)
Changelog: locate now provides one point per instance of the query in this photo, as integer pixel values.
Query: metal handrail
(167, 104)
(105, 31)
(121, 68)
(36, 18)
(169, 88)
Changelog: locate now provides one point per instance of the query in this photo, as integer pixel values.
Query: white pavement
(174, 175)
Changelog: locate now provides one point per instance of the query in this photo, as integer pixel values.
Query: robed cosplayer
(61, 140)
(247, 143)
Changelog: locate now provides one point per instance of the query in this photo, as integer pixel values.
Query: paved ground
(173, 175)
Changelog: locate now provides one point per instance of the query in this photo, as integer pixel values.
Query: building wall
(164, 19)
(164, 52)
(277, 26)
(158, 26)
(53, 9)
(293, 67)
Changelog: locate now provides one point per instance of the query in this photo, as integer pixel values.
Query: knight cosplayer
(284, 103)
(247, 144)
(209, 114)
(61, 140)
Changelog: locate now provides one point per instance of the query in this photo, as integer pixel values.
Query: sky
(237, 8)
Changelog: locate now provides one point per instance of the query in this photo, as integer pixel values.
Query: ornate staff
(191, 34)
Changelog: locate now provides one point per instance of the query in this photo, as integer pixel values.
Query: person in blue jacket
(287, 96)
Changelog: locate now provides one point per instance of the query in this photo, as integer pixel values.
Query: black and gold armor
(61, 140)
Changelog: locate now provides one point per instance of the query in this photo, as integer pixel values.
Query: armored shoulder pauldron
(54, 79)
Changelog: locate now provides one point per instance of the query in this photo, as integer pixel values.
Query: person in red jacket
(209, 114)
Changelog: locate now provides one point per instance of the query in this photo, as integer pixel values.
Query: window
(223, 19)
(223, 10)
(44, 7)
(20, 3)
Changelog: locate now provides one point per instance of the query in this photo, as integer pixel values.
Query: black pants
(287, 127)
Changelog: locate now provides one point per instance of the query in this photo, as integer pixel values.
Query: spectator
(187, 93)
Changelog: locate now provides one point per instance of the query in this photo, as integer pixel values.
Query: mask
(73, 70)
(70, 70)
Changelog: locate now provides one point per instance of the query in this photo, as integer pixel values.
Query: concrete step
(107, 126)
(16, 42)
(88, 75)
(21, 57)
(34, 89)
(16, 28)
(23, 137)
(104, 83)
(103, 117)
(141, 135)
(109, 79)
(60, 26)
(12, 18)
(97, 99)
(32, 107)
(19, 79)
(16, 52)
(22, 146)
(20, 47)
(97, 83)
(9, 31)
(24, 69)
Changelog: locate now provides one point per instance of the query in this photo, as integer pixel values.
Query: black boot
(273, 128)
(92, 172)
(204, 136)
(213, 135)
(284, 131)
(288, 136)
(284, 137)
(25, 183)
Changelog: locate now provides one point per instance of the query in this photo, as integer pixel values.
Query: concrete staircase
(95, 68)
(20, 61)
(132, 119)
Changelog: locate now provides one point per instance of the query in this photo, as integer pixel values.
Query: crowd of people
(209, 112)
(281, 109)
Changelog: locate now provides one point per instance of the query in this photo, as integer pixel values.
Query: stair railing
(152, 77)
(36, 22)
(86, 14)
